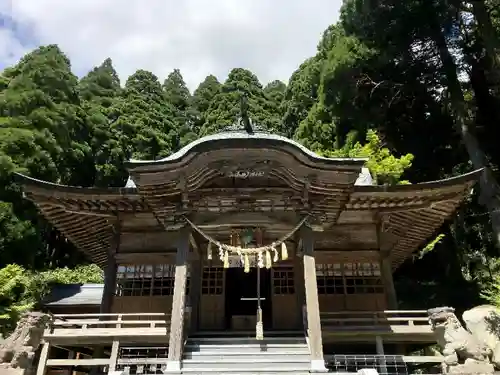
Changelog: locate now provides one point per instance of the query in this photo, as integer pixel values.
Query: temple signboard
(235, 261)
(245, 173)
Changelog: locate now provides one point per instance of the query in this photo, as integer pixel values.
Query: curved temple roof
(241, 139)
(408, 214)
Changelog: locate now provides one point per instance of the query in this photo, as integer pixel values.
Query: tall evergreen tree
(44, 133)
(101, 93)
(42, 100)
(275, 92)
(179, 97)
(225, 107)
(144, 118)
(201, 99)
(300, 95)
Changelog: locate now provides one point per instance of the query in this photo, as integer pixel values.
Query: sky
(199, 37)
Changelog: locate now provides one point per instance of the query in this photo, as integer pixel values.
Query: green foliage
(224, 109)
(384, 167)
(201, 99)
(41, 282)
(275, 93)
(430, 246)
(101, 92)
(21, 290)
(383, 84)
(144, 125)
(14, 299)
(490, 282)
(300, 95)
(178, 96)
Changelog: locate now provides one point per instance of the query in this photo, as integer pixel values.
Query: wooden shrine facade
(339, 265)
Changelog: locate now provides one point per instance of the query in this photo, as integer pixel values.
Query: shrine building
(240, 253)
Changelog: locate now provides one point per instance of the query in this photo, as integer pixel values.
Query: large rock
(484, 323)
(18, 350)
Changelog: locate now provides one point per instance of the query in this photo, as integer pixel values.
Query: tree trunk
(491, 43)
(488, 184)
(486, 31)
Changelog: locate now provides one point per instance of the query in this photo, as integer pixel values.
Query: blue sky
(271, 38)
(18, 36)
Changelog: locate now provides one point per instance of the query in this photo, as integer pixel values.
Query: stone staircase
(240, 354)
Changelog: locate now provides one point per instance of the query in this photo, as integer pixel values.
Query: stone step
(250, 348)
(230, 333)
(244, 355)
(248, 364)
(243, 372)
(246, 340)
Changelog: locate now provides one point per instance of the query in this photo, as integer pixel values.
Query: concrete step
(244, 355)
(249, 363)
(251, 333)
(244, 372)
(247, 348)
(245, 340)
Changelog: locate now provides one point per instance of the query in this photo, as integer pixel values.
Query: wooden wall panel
(148, 242)
(142, 304)
(285, 305)
(331, 302)
(212, 313)
(351, 302)
(285, 311)
(212, 299)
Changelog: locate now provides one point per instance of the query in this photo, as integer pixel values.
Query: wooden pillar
(114, 356)
(42, 362)
(195, 292)
(312, 303)
(176, 343)
(379, 345)
(109, 290)
(298, 267)
(386, 274)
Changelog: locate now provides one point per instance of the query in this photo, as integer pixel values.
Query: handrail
(93, 321)
(375, 318)
(109, 314)
(387, 312)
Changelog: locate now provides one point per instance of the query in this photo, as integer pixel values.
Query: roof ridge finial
(244, 118)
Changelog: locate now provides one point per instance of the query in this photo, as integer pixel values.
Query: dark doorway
(241, 294)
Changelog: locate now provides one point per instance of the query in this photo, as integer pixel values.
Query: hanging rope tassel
(260, 261)
(226, 259)
(284, 251)
(269, 261)
(247, 264)
(209, 251)
(259, 327)
(221, 253)
(276, 258)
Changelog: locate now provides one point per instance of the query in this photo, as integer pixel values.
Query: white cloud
(200, 37)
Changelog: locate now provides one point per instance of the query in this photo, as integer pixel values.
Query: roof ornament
(244, 118)
(244, 122)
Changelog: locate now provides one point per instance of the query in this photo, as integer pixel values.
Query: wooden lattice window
(330, 279)
(363, 278)
(349, 278)
(212, 281)
(283, 280)
(146, 280)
